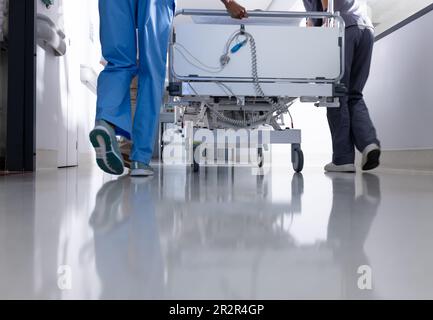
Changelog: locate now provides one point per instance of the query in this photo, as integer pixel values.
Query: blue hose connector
(237, 47)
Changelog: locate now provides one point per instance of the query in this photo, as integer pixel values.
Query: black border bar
(20, 134)
(273, 310)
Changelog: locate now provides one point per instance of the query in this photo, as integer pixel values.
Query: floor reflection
(222, 235)
(225, 233)
(127, 245)
(351, 218)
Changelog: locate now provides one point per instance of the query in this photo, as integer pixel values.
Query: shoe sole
(340, 171)
(372, 160)
(106, 158)
(141, 173)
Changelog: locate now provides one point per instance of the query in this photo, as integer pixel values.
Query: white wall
(65, 107)
(87, 50)
(399, 89)
(48, 88)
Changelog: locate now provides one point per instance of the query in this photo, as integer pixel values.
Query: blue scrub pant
(351, 125)
(119, 20)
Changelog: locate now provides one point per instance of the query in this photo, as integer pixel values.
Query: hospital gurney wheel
(297, 158)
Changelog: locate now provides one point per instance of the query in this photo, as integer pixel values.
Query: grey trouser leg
(351, 125)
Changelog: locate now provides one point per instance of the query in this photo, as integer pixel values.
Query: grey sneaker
(139, 169)
(371, 157)
(108, 155)
(349, 168)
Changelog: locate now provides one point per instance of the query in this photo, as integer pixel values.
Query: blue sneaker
(139, 169)
(108, 155)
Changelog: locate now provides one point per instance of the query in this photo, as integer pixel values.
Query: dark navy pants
(351, 125)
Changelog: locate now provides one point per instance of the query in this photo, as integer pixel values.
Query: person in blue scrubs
(119, 20)
(351, 125)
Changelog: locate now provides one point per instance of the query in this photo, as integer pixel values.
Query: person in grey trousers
(351, 126)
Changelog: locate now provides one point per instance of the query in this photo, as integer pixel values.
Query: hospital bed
(227, 74)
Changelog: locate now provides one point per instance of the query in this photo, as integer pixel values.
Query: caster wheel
(260, 157)
(298, 160)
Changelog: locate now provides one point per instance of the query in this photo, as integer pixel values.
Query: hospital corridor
(208, 150)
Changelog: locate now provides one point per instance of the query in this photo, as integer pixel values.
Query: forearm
(235, 9)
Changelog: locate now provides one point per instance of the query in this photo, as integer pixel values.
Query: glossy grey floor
(222, 234)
